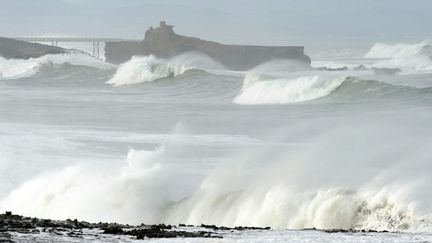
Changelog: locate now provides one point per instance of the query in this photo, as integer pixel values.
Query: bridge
(55, 40)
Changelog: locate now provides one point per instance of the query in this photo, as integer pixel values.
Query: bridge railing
(69, 39)
(55, 40)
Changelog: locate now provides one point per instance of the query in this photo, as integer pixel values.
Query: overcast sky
(271, 22)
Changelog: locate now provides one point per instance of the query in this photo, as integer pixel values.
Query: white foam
(383, 50)
(282, 206)
(149, 68)
(90, 193)
(141, 192)
(19, 68)
(410, 58)
(260, 90)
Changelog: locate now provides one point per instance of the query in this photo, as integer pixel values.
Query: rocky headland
(16, 49)
(163, 42)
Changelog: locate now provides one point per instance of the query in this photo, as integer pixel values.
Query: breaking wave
(401, 58)
(67, 193)
(142, 191)
(20, 68)
(410, 58)
(280, 190)
(382, 50)
(258, 89)
(283, 206)
(149, 68)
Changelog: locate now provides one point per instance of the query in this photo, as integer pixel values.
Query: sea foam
(20, 68)
(142, 69)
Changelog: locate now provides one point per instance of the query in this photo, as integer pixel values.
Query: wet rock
(74, 228)
(161, 233)
(360, 68)
(333, 69)
(251, 228)
(336, 231)
(5, 237)
(113, 229)
(214, 227)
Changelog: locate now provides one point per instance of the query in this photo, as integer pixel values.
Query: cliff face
(15, 49)
(163, 42)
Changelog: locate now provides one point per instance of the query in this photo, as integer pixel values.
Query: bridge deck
(69, 39)
(55, 40)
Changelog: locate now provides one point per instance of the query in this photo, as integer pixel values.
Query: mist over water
(187, 141)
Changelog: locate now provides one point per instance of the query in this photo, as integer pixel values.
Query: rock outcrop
(15, 49)
(163, 42)
(27, 229)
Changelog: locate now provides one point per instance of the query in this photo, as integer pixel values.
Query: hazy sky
(229, 21)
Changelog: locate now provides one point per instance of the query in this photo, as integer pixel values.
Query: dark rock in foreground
(16, 228)
(15, 224)
(157, 231)
(15, 49)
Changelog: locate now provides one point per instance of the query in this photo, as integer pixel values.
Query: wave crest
(259, 89)
(20, 68)
(383, 50)
(410, 58)
(281, 206)
(149, 68)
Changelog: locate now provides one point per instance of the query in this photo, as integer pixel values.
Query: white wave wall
(258, 89)
(294, 192)
(283, 206)
(321, 184)
(20, 68)
(142, 69)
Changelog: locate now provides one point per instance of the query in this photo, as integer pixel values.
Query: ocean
(186, 141)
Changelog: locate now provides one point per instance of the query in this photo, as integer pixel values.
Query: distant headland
(163, 42)
(16, 49)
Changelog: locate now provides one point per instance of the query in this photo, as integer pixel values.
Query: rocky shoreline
(15, 226)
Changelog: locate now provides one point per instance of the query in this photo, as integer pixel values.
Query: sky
(267, 22)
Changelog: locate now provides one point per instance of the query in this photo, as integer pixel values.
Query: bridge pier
(96, 49)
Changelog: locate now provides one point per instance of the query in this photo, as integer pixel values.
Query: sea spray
(384, 50)
(410, 58)
(283, 206)
(133, 194)
(289, 190)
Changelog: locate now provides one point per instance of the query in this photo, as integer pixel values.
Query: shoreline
(13, 226)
